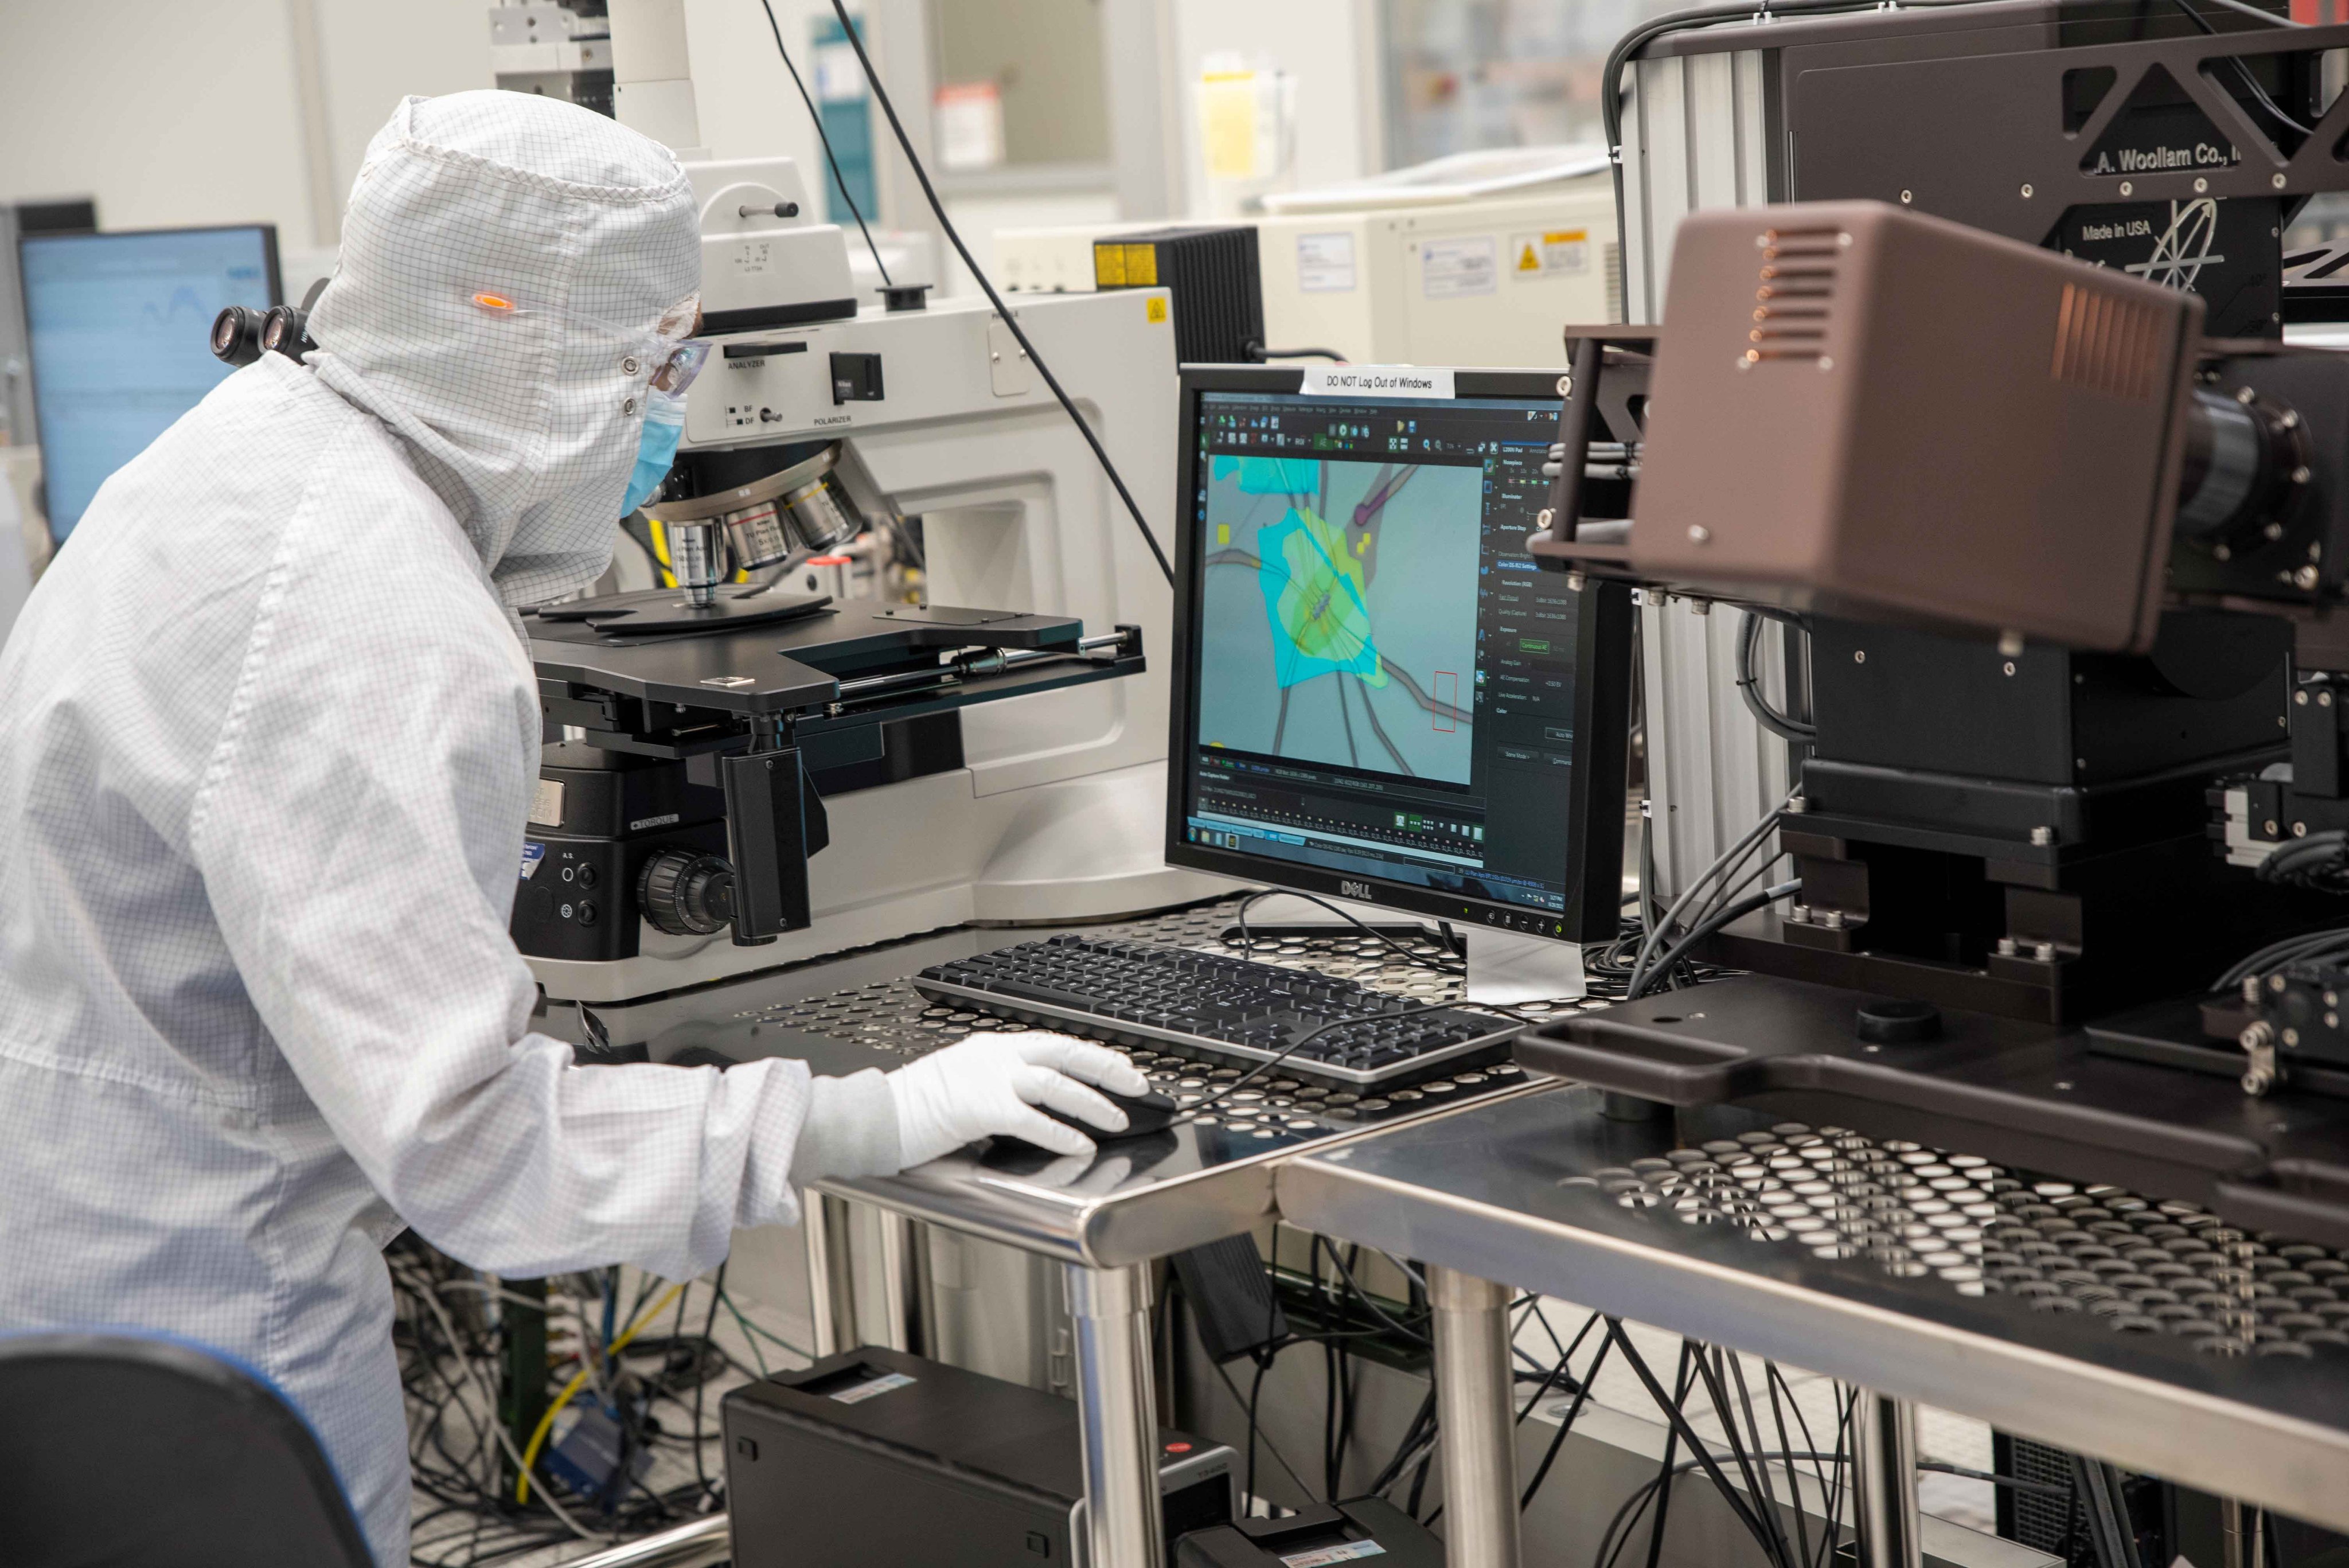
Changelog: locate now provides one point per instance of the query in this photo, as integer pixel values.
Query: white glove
(990, 1084)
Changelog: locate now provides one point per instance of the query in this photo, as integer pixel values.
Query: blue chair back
(129, 1449)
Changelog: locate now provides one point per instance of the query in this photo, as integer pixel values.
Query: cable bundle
(452, 1329)
(2320, 861)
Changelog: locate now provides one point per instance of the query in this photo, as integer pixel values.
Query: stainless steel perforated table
(2149, 1334)
(1103, 1217)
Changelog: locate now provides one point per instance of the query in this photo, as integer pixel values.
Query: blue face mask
(655, 449)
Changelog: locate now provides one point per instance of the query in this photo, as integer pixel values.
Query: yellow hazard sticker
(1554, 253)
(1154, 312)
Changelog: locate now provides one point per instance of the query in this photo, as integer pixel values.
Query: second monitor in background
(119, 328)
(1378, 696)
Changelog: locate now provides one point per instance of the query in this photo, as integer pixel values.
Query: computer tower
(1320, 1536)
(874, 1457)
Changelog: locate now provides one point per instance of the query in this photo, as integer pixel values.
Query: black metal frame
(757, 711)
(2035, 1095)
(1595, 789)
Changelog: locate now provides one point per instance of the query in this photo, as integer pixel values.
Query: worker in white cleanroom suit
(268, 737)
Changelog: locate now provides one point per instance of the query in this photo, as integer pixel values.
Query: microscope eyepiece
(236, 334)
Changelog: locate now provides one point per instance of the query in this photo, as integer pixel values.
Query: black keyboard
(1139, 993)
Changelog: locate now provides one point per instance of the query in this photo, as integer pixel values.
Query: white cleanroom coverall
(268, 737)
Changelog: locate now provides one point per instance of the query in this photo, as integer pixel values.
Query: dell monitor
(118, 329)
(1378, 695)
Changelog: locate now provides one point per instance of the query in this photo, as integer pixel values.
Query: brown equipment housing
(1858, 409)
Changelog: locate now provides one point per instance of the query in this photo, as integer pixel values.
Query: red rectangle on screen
(1447, 695)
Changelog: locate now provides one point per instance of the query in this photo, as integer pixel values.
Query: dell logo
(1353, 890)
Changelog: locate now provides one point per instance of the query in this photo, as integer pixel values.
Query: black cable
(1559, 1369)
(1269, 1446)
(2270, 17)
(2103, 1532)
(1565, 1423)
(2124, 1530)
(2012, 1483)
(1406, 1446)
(2315, 946)
(1679, 1420)
(1793, 1481)
(708, 1328)
(1736, 911)
(2243, 71)
(938, 210)
(815, 118)
(1247, 938)
(1671, 1440)
(1418, 1484)
(1760, 1470)
(1724, 865)
(1262, 353)
(1749, 683)
(2319, 861)
(1263, 1359)
(1371, 1307)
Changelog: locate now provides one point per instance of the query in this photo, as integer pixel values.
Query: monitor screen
(119, 328)
(1379, 694)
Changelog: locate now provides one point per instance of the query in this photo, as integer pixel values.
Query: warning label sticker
(1552, 253)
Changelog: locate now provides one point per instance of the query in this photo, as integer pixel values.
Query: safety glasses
(672, 354)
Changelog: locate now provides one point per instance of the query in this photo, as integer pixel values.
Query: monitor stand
(1505, 968)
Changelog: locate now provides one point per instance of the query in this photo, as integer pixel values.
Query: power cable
(1679, 1420)
(1749, 686)
(1248, 938)
(1018, 334)
(815, 118)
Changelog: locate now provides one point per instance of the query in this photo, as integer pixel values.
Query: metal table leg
(902, 1241)
(1883, 1481)
(1474, 1413)
(1117, 1418)
(831, 1286)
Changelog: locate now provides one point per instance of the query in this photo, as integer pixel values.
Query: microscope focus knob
(687, 894)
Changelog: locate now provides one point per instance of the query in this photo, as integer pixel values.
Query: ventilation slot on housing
(2107, 344)
(1793, 296)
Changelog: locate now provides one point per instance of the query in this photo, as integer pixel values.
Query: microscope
(2068, 535)
(741, 772)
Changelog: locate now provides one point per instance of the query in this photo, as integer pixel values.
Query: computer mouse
(1144, 1113)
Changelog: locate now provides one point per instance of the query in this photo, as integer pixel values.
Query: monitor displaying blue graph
(119, 328)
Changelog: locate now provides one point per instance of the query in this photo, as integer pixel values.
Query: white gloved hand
(990, 1084)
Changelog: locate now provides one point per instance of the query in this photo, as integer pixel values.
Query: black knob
(1892, 1022)
(687, 894)
(236, 334)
